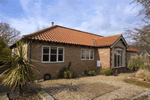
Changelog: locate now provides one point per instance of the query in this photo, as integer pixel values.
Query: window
(52, 54)
(60, 54)
(118, 58)
(45, 53)
(87, 54)
(82, 54)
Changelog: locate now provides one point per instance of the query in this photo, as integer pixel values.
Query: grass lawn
(138, 83)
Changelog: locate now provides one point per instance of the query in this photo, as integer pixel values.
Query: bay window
(87, 54)
(52, 54)
(118, 58)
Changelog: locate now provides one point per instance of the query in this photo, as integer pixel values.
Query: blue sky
(103, 17)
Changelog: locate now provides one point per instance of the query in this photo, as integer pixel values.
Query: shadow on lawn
(138, 83)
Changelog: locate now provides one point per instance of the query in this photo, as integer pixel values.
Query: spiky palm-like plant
(21, 70)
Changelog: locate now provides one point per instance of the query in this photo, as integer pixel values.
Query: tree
(4, 51)
(146, 7)
(21, 70)
(9, 34)
(141, 34)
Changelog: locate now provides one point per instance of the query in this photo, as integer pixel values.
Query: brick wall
(72, 54)
(104, 56)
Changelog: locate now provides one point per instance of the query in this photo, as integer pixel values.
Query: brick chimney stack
(52, 23)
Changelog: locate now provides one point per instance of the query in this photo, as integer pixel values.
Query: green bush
(89, 72)
(65, 72)
(106, 71)
(69, 74)
(60, 73)
(135, 63)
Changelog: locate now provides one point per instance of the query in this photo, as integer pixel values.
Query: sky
(102, 17)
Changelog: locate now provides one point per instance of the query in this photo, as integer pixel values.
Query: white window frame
(118, 49)
(89, 54)
(42, 54)
(50, 55)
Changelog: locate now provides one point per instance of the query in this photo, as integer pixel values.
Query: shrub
(65, 72)
(69, 74)
(60, 73)
(143, 74)
(106, 71)
(89, 72)
(135, 63)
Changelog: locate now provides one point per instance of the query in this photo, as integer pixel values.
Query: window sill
(119, 67)
(53, 62)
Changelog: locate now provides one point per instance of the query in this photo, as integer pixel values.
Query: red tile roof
(62, 34)
(107, 41)
(132, 50)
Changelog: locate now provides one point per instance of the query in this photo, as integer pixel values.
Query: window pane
(53, 57)
(83, 51)
(121, 58)
(92, 52)
(87, 54)
(118, 60)
(91, 56)
(115, 59)
(60, 57)
(60, 51)
(83, 56)
(53, 50)
(45, 49)
(45, 57)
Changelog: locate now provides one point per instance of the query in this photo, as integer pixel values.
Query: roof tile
(66, 35)
(107, 41)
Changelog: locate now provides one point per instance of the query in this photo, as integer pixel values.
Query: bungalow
(55, 46)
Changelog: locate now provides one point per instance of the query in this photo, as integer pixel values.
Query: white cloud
(131, 10)
(102, 17)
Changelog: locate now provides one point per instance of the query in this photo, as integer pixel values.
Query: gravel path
(95, 88)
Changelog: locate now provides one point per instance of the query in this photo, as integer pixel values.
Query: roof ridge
(79, 30)
(108, 36)
(34, 33)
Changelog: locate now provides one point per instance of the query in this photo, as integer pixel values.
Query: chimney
(52, 23)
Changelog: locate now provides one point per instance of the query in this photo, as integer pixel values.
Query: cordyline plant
(21, 71)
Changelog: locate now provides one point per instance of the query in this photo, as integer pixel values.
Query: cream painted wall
(25, 48)
(119, 44)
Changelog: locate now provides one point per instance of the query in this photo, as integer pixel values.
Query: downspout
(94, 42)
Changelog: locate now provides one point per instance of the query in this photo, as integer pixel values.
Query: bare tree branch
(10, 35)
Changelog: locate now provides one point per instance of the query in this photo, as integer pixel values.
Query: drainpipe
(94, 42)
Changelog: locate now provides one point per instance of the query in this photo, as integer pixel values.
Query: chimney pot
(52, 23)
